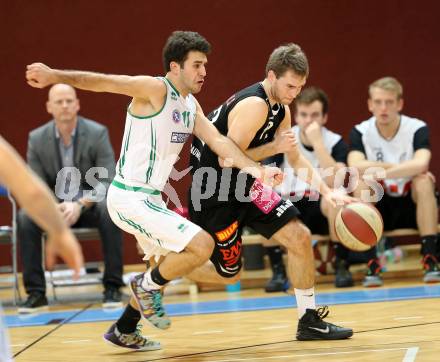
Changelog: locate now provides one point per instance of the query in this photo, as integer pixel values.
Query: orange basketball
(359, 226)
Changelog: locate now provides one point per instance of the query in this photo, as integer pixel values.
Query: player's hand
(338, 198)
(285, 141)
(313, 132)
(65, 245)
(272, 176)
(39, 75)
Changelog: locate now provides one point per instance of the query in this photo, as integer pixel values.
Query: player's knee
(295, 236)
(303, 236)
(202, 246)
(422, 184)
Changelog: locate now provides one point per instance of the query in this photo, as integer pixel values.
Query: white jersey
(366, 138)
(292, 183)
(151, 144)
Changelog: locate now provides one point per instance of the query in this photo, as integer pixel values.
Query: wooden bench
(253, 239)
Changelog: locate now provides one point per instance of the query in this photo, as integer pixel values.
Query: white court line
(275, 327)
(77, 341)
(410, 354)
(411, 351)
(344, 322)
(208, 332)
(18, 345)
(403, 318)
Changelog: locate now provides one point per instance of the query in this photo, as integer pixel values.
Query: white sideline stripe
(77, 341)
(208, 332)
(409, 356)
(403, 318)
(274, 327)
(18, 345)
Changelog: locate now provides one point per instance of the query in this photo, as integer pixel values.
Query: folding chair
(66, 281)
(8, 235)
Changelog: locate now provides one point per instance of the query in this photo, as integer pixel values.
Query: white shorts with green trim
(142, 212)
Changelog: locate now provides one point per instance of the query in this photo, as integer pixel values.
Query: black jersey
(224, 185)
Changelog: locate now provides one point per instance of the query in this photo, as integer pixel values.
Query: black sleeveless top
(223, 182)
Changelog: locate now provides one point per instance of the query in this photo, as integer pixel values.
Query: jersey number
(264, 133)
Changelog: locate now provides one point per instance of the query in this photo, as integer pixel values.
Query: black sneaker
(372, 278)
(112, 298)
(36, 302)
(432, 271)
(343, 277)
(312, 327)
(279, 281)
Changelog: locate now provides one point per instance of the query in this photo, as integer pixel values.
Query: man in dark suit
(73, 155)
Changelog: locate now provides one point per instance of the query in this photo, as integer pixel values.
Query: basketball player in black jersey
(222, 201)
(399, 145)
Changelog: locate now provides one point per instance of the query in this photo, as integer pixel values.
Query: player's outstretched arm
(231, 153)
(305, 171)
(39, 75)
(34, 196)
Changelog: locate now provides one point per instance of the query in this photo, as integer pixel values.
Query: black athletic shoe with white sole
(312, 327)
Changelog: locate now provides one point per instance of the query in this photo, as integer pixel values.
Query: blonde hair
(389, 84)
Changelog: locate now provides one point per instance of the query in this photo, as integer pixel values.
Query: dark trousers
(29, 235)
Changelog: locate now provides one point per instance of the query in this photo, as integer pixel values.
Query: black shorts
(312, 216)
(225, 222)
(397, 212)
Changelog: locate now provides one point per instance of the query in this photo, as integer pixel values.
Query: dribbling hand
(272, 176)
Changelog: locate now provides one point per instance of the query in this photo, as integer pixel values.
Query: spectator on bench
(56, 151)
(325, 150)
(399, 145)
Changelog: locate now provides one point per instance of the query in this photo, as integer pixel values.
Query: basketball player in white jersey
(162, 115)
(34, 196)
(326, 151)
(400, 146)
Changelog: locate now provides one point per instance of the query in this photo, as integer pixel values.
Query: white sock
(305, 299)
(147, 282)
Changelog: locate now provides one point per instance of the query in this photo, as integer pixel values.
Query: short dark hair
(311, 94)
(179, 44)
(288, 57)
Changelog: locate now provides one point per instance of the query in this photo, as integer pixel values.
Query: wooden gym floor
(397, 322)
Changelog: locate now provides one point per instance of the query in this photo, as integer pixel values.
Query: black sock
(341, 252)
(275, 255)
(128, 321)
(157, 277)
(429, 244)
